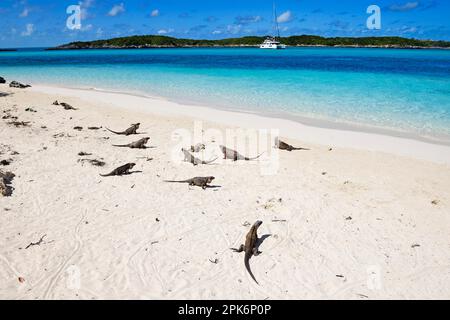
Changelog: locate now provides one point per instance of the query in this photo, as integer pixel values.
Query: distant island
(156, 41)
(7, 50)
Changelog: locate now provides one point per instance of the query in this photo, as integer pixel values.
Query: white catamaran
(272, 42)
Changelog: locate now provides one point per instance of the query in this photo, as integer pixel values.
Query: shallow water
(402, 90)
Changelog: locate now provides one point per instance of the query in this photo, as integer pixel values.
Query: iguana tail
(210, 161)
(105, 175)
(185, 181)
(114, 131)
(300, 149)
(248, 159)
(247, 266)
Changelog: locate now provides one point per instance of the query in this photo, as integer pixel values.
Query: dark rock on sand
(5, 162)
(2, 80)
(19, 85)
(5, 183)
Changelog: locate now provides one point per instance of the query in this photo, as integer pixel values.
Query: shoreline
(225, 47)
(306, 130)
(246, 46)
(341, 125)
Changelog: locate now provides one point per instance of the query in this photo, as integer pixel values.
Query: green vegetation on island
(156, 41)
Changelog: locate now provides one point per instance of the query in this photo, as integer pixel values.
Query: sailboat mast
(276, 19)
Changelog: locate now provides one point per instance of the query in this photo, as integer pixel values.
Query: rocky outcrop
(2, 80)
(19, 85)
(5, 183)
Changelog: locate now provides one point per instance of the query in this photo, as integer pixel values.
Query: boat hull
(273, 46)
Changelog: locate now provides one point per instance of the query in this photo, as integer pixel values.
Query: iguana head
(210, 179)
(258, 223)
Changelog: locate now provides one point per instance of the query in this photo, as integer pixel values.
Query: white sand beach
(359, 216)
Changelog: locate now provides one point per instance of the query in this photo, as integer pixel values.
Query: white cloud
(84, 6)
(99, 32)
(285, 17)
(87, 27)
(116, 10)
(234, 28)
(406, 29)
(155, 13)
(87, 3)
(165, 31)
(24, 13)
(404, 7)
(216, 32)
(29, 30)
(247, 19)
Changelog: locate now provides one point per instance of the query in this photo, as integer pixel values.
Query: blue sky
(31, 23)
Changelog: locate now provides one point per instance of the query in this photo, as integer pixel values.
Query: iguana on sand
(140, 144)
(249, 247)
(122, 170)
(66, 106)
(197, 181)
(284, 146)
(198, 147)
(188, 157)
(129, 131)
(234, 155)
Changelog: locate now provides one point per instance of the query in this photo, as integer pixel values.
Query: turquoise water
(403, 90)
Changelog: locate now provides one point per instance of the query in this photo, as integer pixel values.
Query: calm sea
(403, 90)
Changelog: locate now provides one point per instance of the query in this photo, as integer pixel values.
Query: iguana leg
(241, 248)
(256, 252)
